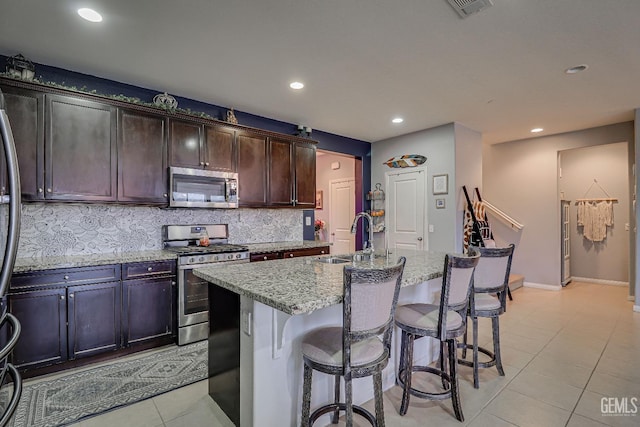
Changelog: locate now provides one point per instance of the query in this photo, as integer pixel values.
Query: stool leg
(377, 395)
(336, 413)
(306, 396)
(476, 382)
(407, 340)
(348, 399)
(495, 325)
(464, 344)
(443, 366)
(453, 368)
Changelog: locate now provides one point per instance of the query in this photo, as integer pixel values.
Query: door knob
(419, 239)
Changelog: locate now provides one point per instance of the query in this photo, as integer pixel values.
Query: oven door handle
(211, 264)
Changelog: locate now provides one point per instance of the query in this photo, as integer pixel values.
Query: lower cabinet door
(43, 318)
(147, 308)
(94, 318)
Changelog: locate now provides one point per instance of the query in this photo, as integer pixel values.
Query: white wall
(609, 259)
(468, 172)
(439, 146)
(521, 178)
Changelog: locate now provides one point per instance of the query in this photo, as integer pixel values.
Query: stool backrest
(494, 267)
(457, 283)
(370, 300)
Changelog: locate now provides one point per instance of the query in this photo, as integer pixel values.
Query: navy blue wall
(326, 141)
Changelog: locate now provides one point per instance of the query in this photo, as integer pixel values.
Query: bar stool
(355, 350)
(488, 299)
(444, 322)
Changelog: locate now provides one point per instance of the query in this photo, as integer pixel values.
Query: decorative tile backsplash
(77, 229)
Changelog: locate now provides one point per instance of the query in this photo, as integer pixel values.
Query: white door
(342, 211)
(406, 209)
(566, 243)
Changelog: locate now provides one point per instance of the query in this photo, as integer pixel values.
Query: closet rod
(599, 199)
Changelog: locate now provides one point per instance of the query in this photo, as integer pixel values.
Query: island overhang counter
(259, 313)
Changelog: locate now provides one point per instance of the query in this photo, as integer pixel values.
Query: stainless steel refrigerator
(10, 207)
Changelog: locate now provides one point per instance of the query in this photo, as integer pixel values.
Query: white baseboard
(636, 308)
(600, 281)
(542, 286)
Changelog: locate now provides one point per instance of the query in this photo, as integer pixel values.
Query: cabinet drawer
(323, 250)
(266, 256)
(148, 268)
(63, 276)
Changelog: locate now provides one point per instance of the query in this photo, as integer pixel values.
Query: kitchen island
(260, 311)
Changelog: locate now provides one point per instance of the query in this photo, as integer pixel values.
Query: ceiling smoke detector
(466, 8)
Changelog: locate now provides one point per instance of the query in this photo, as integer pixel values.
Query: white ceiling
(500, 72)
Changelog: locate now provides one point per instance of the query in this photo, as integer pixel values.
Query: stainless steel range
(198, 246)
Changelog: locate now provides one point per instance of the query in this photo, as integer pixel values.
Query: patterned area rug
(69, 398)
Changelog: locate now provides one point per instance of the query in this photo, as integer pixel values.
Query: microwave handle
(231, 186)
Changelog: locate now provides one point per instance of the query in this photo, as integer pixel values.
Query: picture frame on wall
(440, 204)
(441, 184)
(319, 199)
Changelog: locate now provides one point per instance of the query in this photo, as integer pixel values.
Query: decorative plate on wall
(406, 161)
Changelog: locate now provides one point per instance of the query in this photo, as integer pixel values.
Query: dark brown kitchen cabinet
(209, 147)
(305, 174)
(94, 319)
(281, 173)
(80, 150)
(43, 318)
(148, 301)
(185, 140)
(252, 169)
(290, 253)
(25, 109)
(219, 148)
(142, 157)
(66, 314)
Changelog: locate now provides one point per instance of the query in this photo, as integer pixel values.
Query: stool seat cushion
(486, 302)
(324, 346)
(425, 316)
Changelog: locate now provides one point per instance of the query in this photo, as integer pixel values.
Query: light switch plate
(307, 221)
(431, 228)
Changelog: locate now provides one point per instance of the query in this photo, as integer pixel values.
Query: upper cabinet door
(252, 169)
(185, 142)
(80, 150)
(142, 158)
(305, 178)
(25, 109)
(219, 148)
(280, 173)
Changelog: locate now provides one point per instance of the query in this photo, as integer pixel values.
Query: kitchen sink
(365, 257)
(333, 260)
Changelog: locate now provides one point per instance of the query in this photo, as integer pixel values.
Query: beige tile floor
(563, 352)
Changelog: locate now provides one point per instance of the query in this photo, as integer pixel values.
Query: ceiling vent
(466, 8)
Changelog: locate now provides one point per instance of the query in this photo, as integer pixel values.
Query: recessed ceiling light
(397, 120)
(536, 130)
(296, 85)
(576, 69)
(90, 15)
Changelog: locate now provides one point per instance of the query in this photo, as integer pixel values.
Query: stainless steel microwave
(197, 188)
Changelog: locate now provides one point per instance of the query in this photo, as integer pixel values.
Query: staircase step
(516, 281)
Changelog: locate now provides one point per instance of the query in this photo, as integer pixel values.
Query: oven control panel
(212, 258)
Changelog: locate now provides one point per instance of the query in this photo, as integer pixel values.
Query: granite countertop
(25, 265)
(256, 248)
(302, 285)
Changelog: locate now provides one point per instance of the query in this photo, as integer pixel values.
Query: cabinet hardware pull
(48, 190)
(165, 195)
(206, 163)
(66, 277)
(40, 190)
(201, 163)
(321, 252)
(265, 258)
(61, 297)
(70, 295)
(173, 283)
(150, 269)
(290, 255)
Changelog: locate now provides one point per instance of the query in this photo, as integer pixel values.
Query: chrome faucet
(368, 249)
